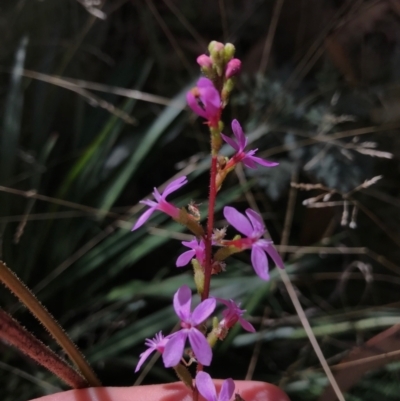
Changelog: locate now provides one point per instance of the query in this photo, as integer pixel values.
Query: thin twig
(257, 348)
(169, 35)
(183, 20)
(287, 226)
(270, 37)
(224, 19)
(57, 201)
(68, 83)
(296, 303)
(304, 321)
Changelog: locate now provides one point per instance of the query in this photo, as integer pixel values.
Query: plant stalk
(19, 289)
(16, 335)
(210, 228)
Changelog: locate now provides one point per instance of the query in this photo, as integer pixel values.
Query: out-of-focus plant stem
(11, 281)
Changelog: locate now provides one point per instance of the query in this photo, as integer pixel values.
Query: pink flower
(156, 344)
(253, 227)
(198, 250)
(248, 158)
(189, 321)
(233, 68)
(161, 203)
(206, 388)
(205, 101)
(233, 314)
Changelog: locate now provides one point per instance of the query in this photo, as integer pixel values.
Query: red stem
(208, 241)
(210, 228)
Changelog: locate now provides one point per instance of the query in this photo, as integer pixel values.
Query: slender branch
(11, 281)
(16, 335)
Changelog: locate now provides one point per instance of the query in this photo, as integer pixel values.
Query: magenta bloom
(248, 158)
(206, 388)
(198, 250)
(189, 321)
(156, 344)
(233, 314)
(161, 203)
(253, 227)
(205, 101)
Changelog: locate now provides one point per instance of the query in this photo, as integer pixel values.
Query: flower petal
(238, 132)
(204, 83)
(211, 99)
(182, 302)
(143, 356)
(185, 258)
(190, 244)
(260, 262)
(143, 218)
(173, 350)
(206, 386)
(200, 346)
(246, 325)
(230, 142)
(270, 249)
(238, 220)
(256, 221)
(174, 185)
(248, 162)
(192, 102)
(227, 389)
(203, 311)
(263, 162)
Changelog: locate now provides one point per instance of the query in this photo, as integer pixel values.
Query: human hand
(248, 390)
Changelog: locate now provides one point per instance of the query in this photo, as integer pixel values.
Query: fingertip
(259, 391)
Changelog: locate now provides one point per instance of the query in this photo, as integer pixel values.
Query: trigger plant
(208, 100)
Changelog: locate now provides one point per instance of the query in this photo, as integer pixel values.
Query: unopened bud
(217, 56)
(199, 277)
(218, 267)
(204, 61)
(215, 46)
(233, 68)
(229, 84)
(229, 52)
(221, 160)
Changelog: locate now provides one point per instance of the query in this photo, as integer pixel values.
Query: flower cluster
(209, 249)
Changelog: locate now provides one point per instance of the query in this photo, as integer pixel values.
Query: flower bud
(227, 88)
(217, 56)
(204, 61)
(215, 46)
(229, 52)
(199, 277)
(233, 68)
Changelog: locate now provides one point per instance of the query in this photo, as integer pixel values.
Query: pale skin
(248, 390)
